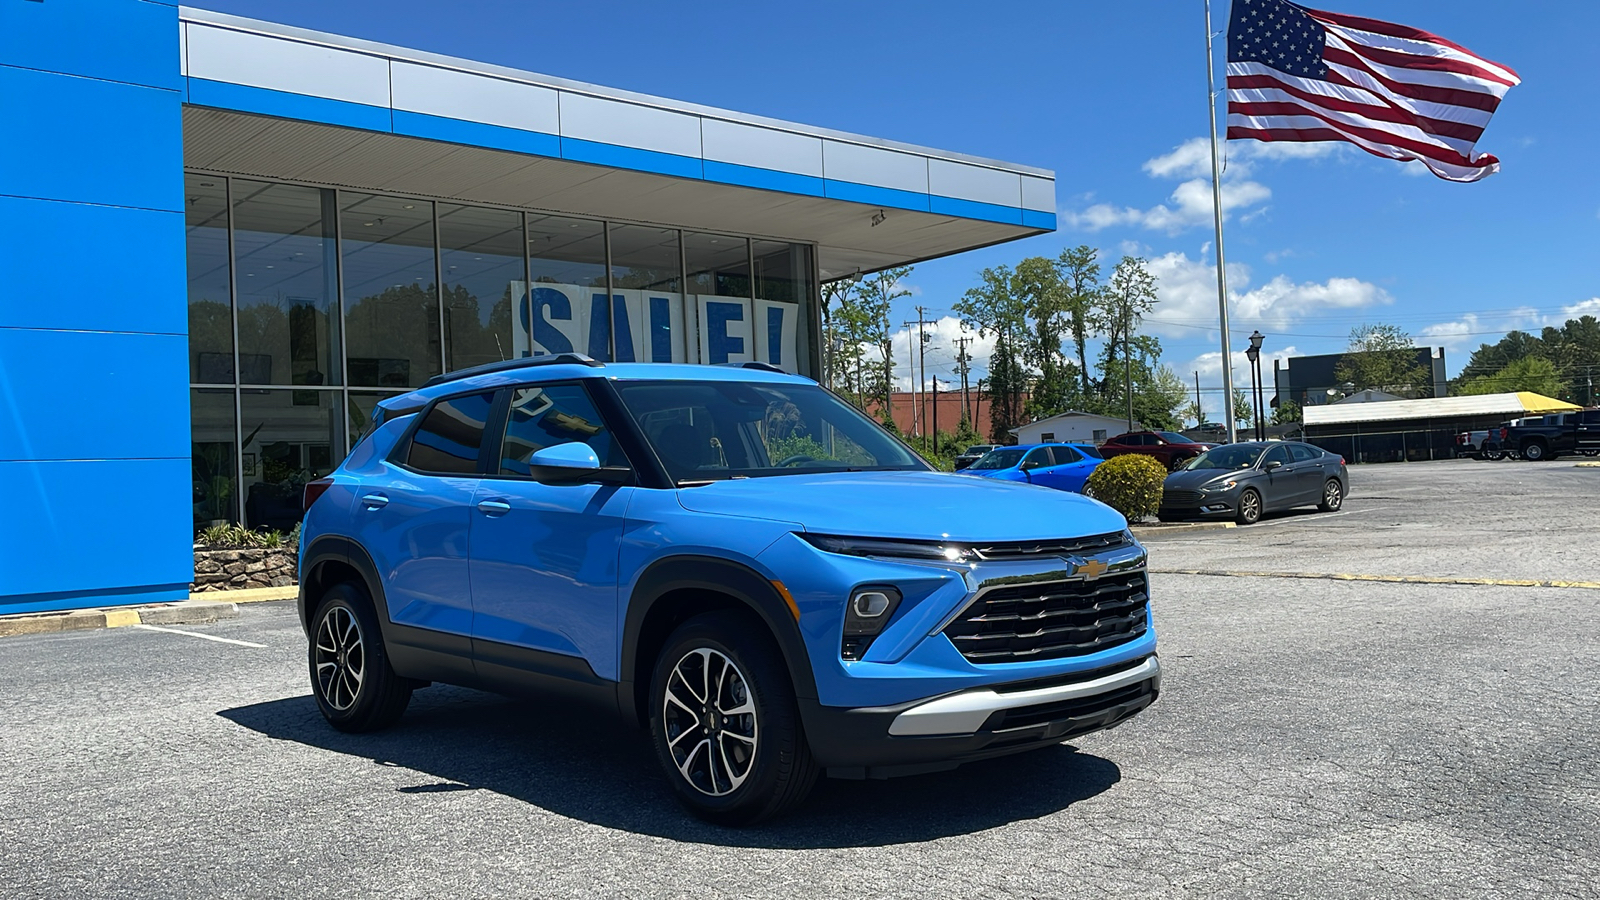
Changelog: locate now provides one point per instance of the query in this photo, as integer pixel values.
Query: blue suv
(732, 557)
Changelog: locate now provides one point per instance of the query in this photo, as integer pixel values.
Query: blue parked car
(1065, 467)
(730, 556)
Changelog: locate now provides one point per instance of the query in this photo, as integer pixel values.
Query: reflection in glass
(784, 294)
(210, 281)
(391, 290)
(481, 255)
(359, 410)
(293, 443)
(718, 264)
(287, 283)
(646, 288)
(212, 442)
(567, 262)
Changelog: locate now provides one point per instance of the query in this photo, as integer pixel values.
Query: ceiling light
(368, 224)
(411, 206)
(208, 184)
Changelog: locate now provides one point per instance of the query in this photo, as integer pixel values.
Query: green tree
(1383, 358)
(995, 309)
(1079, 271)
(1128, 297)
(1530, 373)
(1038, 284)
(878, 292)
(1244, 412)
(1287, 413)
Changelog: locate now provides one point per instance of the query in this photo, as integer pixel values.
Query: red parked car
(1170, 449)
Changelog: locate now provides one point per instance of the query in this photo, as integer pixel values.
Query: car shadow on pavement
(585, 764)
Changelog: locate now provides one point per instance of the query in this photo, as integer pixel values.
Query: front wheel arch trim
(712, 575)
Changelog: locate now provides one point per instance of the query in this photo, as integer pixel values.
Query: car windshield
(1173, 438)
(713, 430)
(1231, 456)
(1004, 458)
(978, 449)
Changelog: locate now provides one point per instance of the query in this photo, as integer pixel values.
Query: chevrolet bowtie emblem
(1091, 568)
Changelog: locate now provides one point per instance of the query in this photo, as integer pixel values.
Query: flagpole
(1216, 211)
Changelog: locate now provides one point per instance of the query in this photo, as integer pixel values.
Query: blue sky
(1108, 94)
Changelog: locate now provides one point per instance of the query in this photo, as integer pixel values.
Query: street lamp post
(1254, 355)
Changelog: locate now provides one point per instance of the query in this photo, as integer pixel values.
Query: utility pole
(962, 367)
(936, 415)
(1199, 411)
(918, 354)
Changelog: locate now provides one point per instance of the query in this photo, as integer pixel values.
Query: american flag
(1297, 74)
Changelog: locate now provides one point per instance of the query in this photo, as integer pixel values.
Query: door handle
(375, 501)
(494, 507)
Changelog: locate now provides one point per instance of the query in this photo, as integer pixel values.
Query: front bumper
(943, 732)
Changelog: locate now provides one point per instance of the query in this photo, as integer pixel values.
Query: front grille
(1035, 549)
(1052, 620)
(1173, 497)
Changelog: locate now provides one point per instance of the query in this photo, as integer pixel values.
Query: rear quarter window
(448, 439)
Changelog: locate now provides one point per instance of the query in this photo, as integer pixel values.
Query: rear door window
(549, 414)
(450, 436)
(1303, 453)
(1065, 455)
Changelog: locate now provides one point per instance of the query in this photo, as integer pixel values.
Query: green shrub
(1129, 484)
(238, 536)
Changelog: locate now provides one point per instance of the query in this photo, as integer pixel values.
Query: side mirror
(572, 461)
(1273, 464)
(1030, 464)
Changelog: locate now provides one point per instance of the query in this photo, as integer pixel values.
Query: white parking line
(1319, 517)
(205, 637)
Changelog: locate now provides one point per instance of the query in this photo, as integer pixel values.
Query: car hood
(912, 505)
(1195, 479)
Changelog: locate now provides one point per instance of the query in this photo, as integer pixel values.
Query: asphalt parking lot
(1315, 738)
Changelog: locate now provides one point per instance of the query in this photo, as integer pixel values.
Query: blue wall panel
(476, 134)
(875, 196)
(97, 279)
(71, 138)
(288, 105)
(767, 179)
(95, 476)
(93, 395)
(71, 37)
(93, 526)
(631, 158)
(974, 209)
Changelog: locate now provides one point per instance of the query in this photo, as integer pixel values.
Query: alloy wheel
(710, 722)
(1250, 506)
(1332, 495)
(341, 658)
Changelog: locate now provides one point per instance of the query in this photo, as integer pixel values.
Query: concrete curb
(250, 595)
(1153, 530)
(183, 612)
(1587, 465)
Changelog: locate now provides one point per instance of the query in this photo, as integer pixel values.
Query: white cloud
(1187, 289)
(1209, 365)
(1190, 204)
(940, 354)
(1590, 307)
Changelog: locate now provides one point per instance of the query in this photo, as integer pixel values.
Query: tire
(1332, 496)
(1534, 451)
(729, 659)
(1249, 511)
(1177, 463)
(351, 678)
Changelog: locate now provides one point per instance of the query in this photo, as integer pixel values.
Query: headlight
(870, 609)
(851, 546)
(1219, 488)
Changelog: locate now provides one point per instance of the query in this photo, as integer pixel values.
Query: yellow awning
(1539, 403)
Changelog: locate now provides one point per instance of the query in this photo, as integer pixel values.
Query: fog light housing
(865, 616)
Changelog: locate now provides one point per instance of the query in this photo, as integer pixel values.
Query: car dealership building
(226, 240)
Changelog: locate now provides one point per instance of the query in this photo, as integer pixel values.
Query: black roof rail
(763, 366)
(575, 359)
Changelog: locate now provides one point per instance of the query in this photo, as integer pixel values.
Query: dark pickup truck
(1558, 434)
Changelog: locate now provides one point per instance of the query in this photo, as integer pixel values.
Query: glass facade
(308, 306)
